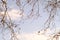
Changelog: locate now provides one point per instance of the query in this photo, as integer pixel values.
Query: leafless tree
(6, 21)
(51, 7)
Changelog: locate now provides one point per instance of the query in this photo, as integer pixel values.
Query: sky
(29, 27)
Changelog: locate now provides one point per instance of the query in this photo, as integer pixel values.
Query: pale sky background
(30, 27)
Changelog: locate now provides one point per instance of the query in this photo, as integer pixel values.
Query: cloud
(14, 14)
(32, 36)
